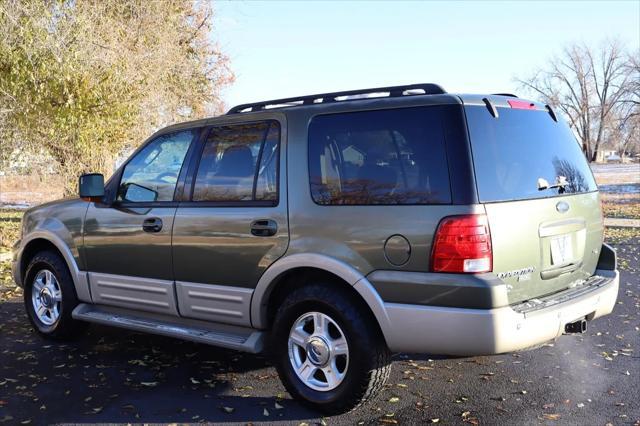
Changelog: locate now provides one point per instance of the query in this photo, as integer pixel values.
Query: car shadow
(113, 375)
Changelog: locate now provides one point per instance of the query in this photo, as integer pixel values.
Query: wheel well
(33, 247)
(293, 278)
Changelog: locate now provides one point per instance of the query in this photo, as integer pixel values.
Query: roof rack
(393, 91)
(511, 95)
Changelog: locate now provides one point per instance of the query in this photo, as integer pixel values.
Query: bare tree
(625, 136)
(591, 87)
(633, 103)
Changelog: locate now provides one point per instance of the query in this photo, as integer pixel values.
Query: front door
(232, 223)
(127, 242)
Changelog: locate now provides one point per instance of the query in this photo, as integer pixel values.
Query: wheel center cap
(318, 351)
(46, 298)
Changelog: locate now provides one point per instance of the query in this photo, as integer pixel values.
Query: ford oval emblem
(562, 207)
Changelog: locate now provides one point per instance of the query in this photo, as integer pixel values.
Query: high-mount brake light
(462, 244)
(516, 104)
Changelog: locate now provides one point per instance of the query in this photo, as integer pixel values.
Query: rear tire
(327, 349)
(50, 297)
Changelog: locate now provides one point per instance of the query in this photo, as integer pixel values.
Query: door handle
(264, 228)
(153, 224)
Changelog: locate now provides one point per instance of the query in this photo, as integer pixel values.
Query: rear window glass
(379, 157)
(519, 149)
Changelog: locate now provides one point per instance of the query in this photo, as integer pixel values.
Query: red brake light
(462, 244)
(521, 104)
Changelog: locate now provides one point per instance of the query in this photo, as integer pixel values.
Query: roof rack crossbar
(511, 95)
(394, 91)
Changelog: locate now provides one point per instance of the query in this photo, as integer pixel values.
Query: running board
(231, 337)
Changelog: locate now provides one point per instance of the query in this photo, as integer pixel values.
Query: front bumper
(461, 331)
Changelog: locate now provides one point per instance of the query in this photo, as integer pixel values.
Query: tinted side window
(239, 163)
(379, 157)
(512, 152)
(152, 174)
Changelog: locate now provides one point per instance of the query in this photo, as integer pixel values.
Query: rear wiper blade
(561, 182)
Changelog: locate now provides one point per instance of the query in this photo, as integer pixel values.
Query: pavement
(615, 222)
(115, 376)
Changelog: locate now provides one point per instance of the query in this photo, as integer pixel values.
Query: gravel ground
(111, 375)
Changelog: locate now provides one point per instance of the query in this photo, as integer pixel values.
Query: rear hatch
(540, 197)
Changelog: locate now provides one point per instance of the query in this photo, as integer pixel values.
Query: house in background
(608, 156)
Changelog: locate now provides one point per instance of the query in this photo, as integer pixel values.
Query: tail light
(462, 244)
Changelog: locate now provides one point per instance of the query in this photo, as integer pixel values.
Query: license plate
(561, 250)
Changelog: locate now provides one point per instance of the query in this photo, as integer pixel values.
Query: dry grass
(619, 189)
(9, 228)
(9, 233)
(628, 211)
(621, 235)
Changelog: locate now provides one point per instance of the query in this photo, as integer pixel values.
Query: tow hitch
(576, 327)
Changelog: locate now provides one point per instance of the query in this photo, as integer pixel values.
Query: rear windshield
(516, 153)
(379, 157)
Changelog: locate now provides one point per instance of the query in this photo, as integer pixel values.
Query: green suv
(331, 230)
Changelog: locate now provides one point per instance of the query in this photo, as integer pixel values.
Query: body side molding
(144, 294)
(216, 303)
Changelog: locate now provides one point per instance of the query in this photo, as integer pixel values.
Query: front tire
(327, 349)
(50, 297)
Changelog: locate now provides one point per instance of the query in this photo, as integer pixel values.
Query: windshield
(515, 154)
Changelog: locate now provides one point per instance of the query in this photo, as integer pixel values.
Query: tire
(48, 272)
(354, 378)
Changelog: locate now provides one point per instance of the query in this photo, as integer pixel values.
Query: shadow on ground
(112, 375)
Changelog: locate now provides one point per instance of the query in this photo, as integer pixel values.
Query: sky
(285, 48)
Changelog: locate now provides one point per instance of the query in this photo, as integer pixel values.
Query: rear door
(232, 222)
(540, 197)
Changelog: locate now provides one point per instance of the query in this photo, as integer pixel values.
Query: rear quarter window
(514, 150)
(379, 157)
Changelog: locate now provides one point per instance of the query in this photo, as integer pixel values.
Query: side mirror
(91, 187)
